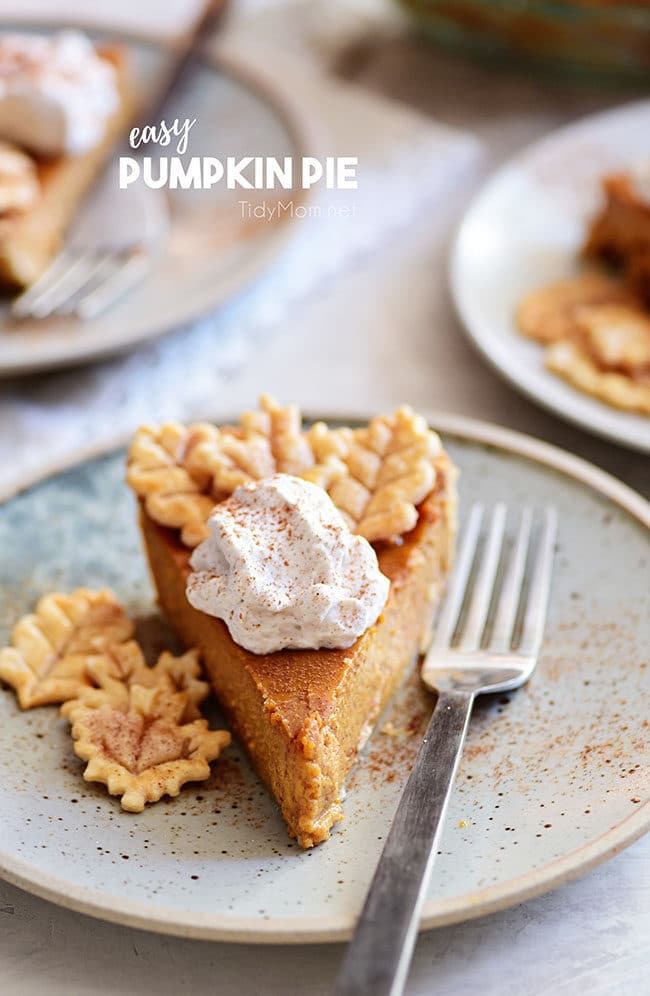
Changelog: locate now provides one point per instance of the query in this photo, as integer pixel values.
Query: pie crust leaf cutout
(549, 314)
(124, 665)
(52, 648)
(570, 361)
(141, 748)
(618, 338)
(391, 466)
(376, 475)
(180, 674)
(163, 472)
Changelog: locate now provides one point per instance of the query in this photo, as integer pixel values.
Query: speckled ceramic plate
(212, 250)
(523, 230)
(554, 778)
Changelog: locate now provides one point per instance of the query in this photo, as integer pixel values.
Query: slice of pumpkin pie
(306, 565)
(63, 105)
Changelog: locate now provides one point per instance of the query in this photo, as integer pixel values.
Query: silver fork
(83, 281)
(471, 654)
(111, 247)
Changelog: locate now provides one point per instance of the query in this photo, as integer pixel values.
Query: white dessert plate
(524, 230)
(212, 251)
(554, 779)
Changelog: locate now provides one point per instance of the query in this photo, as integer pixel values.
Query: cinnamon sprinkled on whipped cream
(56, 93)
(283, 571)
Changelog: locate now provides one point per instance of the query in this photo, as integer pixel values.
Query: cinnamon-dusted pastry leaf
(125, 665)
(571, 361)
(391, 466)
(549, 314)
(52, 647)
(141, 748)
(375, 475)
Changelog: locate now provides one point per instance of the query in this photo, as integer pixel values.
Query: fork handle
(379, 955)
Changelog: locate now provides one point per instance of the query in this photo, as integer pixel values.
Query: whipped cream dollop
(56, 93)
(282, 569)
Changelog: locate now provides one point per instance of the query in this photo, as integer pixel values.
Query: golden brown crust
(376, 475)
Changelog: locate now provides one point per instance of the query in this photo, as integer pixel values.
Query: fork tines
(82, 282)
(498, 597)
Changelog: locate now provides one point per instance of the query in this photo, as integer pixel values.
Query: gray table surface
(402, 343)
